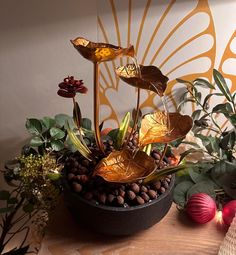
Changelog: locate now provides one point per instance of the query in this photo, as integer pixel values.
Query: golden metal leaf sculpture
(100, 52)
(148, 77)
(155, 129)
(123, 167)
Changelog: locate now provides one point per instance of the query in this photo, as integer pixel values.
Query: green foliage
(123, 130)
(47, 133)
(215, 175)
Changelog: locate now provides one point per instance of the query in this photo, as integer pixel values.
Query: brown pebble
(162, 190)
(121, 192)
(131, 195)
(120, 200)
(82, 169)
(73, 170)
(76, 164)
(145, 196)
(135, 187)
(165, 184)
(140, 200)
(152, 194)
(102, 198)
(110, 198)
(82, 178)
(85, 162)
(169, 176)
(122, 187)
(70, 176)
(144, 188)
(168, 180)
(156, 185)
(88, 195)
(77, 187)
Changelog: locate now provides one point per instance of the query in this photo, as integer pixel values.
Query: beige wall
(35, 55)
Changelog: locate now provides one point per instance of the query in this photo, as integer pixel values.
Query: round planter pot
(118, 221)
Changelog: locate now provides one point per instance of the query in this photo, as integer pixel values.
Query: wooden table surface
(174, 235)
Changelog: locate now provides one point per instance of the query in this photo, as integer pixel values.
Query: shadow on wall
(10, 148)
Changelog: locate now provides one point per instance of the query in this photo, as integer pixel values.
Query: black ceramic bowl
(118, 221)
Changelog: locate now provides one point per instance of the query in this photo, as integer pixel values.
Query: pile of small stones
(79, 172)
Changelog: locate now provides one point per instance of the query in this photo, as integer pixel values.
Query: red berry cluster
(69, 87)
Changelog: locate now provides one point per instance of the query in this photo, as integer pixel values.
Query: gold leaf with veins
(154, 127)
(123, 167)
(150, 77)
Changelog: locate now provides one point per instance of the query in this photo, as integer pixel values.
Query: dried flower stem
(96, 107)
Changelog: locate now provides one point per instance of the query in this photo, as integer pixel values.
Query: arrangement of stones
(79, 173)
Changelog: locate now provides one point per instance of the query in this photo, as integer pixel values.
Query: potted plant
(117, 182)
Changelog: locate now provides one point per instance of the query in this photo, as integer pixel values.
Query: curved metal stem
(96, 107)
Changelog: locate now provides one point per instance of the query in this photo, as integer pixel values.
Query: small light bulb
(218, 217)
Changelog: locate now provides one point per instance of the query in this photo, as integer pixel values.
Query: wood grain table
(174, 235)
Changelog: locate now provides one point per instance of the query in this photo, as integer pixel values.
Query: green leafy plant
(213, 144)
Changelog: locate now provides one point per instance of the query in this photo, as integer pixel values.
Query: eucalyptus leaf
(47, 123)
(86, 123)
(61, 119)
(36, 141)
(202, 187)
(34, 126)
(180, 192)
(57, 145)
(57, 133)
(198, 176)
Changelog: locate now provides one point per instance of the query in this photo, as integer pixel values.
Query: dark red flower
(69, 87)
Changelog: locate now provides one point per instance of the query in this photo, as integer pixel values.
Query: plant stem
(136, 118)
(96, 107)
(77, 122)
(162, 155)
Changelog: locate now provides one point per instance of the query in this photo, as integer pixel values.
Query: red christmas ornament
(228, 212)
(201, 208)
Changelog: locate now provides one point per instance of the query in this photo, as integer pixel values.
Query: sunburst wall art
(179, 37)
